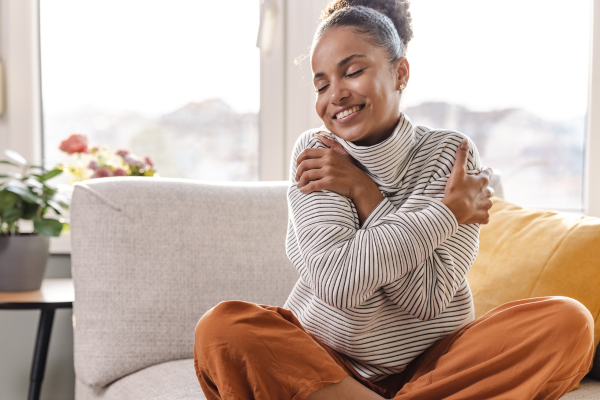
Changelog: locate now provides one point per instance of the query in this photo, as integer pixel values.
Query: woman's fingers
(310, 175)
(323, 183)
(310, 153)
(482, 214)
(488, 191)
(484, 177)
(332, 144)
(308, 164)
(487, 172)
(459, 169)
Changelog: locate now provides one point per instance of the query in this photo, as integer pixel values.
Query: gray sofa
(150, 256)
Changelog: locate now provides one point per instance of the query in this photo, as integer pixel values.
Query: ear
(402, 70)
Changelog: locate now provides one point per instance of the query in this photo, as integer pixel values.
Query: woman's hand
(334, 169)
(468, 196)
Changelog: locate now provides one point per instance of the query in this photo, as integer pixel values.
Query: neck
(378, 137)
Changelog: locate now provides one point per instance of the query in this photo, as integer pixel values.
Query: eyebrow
(341, 63)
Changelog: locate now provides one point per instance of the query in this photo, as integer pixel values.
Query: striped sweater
(383, 292)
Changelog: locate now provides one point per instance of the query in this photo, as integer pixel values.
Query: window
(512, 75)
(177, 81)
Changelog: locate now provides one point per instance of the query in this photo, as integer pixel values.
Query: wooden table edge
(35, 306)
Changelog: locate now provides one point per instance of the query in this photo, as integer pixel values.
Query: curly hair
(387, 22)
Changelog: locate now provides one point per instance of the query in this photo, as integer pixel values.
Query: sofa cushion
(528, 253)
(176, 380)
(173, 380)
(589, 389)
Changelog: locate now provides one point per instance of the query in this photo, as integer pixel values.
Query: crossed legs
(528, 349)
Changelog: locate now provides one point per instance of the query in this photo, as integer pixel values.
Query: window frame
(591, 194)
(287, 108)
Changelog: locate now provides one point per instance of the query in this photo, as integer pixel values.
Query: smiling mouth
(348, 112)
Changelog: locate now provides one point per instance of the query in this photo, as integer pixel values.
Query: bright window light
(175, 80)
(513, 75)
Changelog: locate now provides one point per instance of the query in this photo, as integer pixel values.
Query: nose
(339, 92)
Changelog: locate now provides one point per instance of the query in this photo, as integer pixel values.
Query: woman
(384, 224)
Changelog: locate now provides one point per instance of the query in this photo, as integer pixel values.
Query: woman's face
(357, 86)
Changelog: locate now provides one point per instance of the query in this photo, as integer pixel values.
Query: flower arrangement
(27, 195)
(99, 162)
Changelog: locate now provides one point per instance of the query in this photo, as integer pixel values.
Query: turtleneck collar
(384, 161)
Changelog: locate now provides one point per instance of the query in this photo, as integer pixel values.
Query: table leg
(40, 354)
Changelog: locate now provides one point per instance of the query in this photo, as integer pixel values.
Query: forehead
(338, 43)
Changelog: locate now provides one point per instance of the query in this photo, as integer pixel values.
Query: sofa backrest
(150, 256)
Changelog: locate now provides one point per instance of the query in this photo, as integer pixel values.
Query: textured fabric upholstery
(176, 380)
(150, 256)
(589, 389)
(173, 380)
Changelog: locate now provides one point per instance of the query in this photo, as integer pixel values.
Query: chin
(350, 133)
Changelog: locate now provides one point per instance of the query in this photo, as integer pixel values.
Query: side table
(54, 293)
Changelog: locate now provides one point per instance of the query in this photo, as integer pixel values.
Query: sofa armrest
(151, 255)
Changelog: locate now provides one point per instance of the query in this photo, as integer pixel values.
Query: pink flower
(119, 172)
(122, 152)
(149, 161)
(131, 159)
(76, 143)
(103, 172)
(93, 165)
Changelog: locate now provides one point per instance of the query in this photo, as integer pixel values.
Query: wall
(18, 330)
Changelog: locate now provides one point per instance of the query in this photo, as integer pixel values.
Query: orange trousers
(528, 349)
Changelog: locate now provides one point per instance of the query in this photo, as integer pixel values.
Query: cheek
(369, 89)
(381, 95)
(321, 106)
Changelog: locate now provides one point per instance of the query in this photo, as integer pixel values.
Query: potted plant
(27, 195)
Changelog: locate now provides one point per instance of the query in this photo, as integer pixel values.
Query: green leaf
(61, 199)
(49, 192)
(15, 156)
(11, 175)
(47, 227)
(11, 215)
(7, 200)
(22, 190)
(56, 207)
(9, 163)
(51, 174)
(34, 183)
(30, 211)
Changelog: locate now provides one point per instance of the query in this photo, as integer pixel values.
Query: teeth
(347, 112)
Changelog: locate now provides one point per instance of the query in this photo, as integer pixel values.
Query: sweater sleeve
(396, 248)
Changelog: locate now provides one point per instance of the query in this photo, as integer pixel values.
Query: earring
(401, 88)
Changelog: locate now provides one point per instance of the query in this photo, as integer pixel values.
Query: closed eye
(321, 89)
(352, 75)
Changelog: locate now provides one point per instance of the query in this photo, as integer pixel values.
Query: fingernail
(464, 145)
(324, 135)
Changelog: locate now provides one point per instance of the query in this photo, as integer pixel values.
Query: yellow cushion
(526, 253)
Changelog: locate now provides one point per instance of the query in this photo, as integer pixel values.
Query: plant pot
(23, 261)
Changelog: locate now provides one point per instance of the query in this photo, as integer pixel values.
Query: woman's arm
(344, 265)
(468, 197)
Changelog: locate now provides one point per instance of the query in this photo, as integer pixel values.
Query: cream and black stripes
(383, 292)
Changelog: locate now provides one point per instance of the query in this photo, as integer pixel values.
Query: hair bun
(396, 10)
